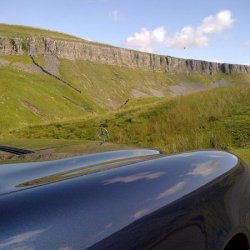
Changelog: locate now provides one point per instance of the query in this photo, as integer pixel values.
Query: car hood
(27, 174)
(84, 201)
(203, 164)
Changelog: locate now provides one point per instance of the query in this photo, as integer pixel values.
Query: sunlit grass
(25, 31)
(203, 120)
(243, 153)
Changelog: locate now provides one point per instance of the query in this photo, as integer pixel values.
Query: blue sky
(214, 30)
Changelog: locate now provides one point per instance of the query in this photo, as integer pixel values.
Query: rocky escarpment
(112, 55)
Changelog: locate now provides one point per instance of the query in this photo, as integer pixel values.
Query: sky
(212, 30)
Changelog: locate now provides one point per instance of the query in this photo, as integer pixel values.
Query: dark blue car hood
(79, 201)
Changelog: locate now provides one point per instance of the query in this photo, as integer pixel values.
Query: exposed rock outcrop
(112, 55)
(51, 64)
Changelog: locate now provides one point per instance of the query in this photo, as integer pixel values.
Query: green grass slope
(9, 30)
(28, 97)
(133, 104)
(31, 98)
(217, 118)
(110, 86)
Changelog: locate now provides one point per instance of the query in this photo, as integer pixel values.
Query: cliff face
(111, 55)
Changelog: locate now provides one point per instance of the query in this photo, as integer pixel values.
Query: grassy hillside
(9, 30)
(110, 86)
(135, 105)
(25, 31)
(28, 96)
(31, 98)
(218, 118)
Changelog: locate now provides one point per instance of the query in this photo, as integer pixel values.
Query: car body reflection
(143, 201)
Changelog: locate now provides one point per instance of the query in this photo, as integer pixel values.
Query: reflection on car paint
(205, 168)
(135, 177)
(38, 173)
(24, 240)
(129, 203)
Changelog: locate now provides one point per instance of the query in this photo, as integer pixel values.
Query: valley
(58, 87)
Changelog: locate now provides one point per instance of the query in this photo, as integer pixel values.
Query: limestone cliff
(111, 55)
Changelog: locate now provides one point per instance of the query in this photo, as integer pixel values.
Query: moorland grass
(44, 93)
(9, 30)
(208, 119)
(218, 118)
(20, 31)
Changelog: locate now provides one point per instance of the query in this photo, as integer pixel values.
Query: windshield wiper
(16, 151)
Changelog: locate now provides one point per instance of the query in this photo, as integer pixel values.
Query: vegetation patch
(24, 46)
(173, 125)
(20, 31)
(243, 153)
(30, 107)
(13, 44)
(40, 91)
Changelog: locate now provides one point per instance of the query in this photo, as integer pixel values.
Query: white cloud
(115, 14)
(216, 24)
(135, 177)
(140, 213)
(172, 190)
(187, 37)
(158, 34)
(144, 40)
(190, 37)
(20, 240)
(205, 169)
